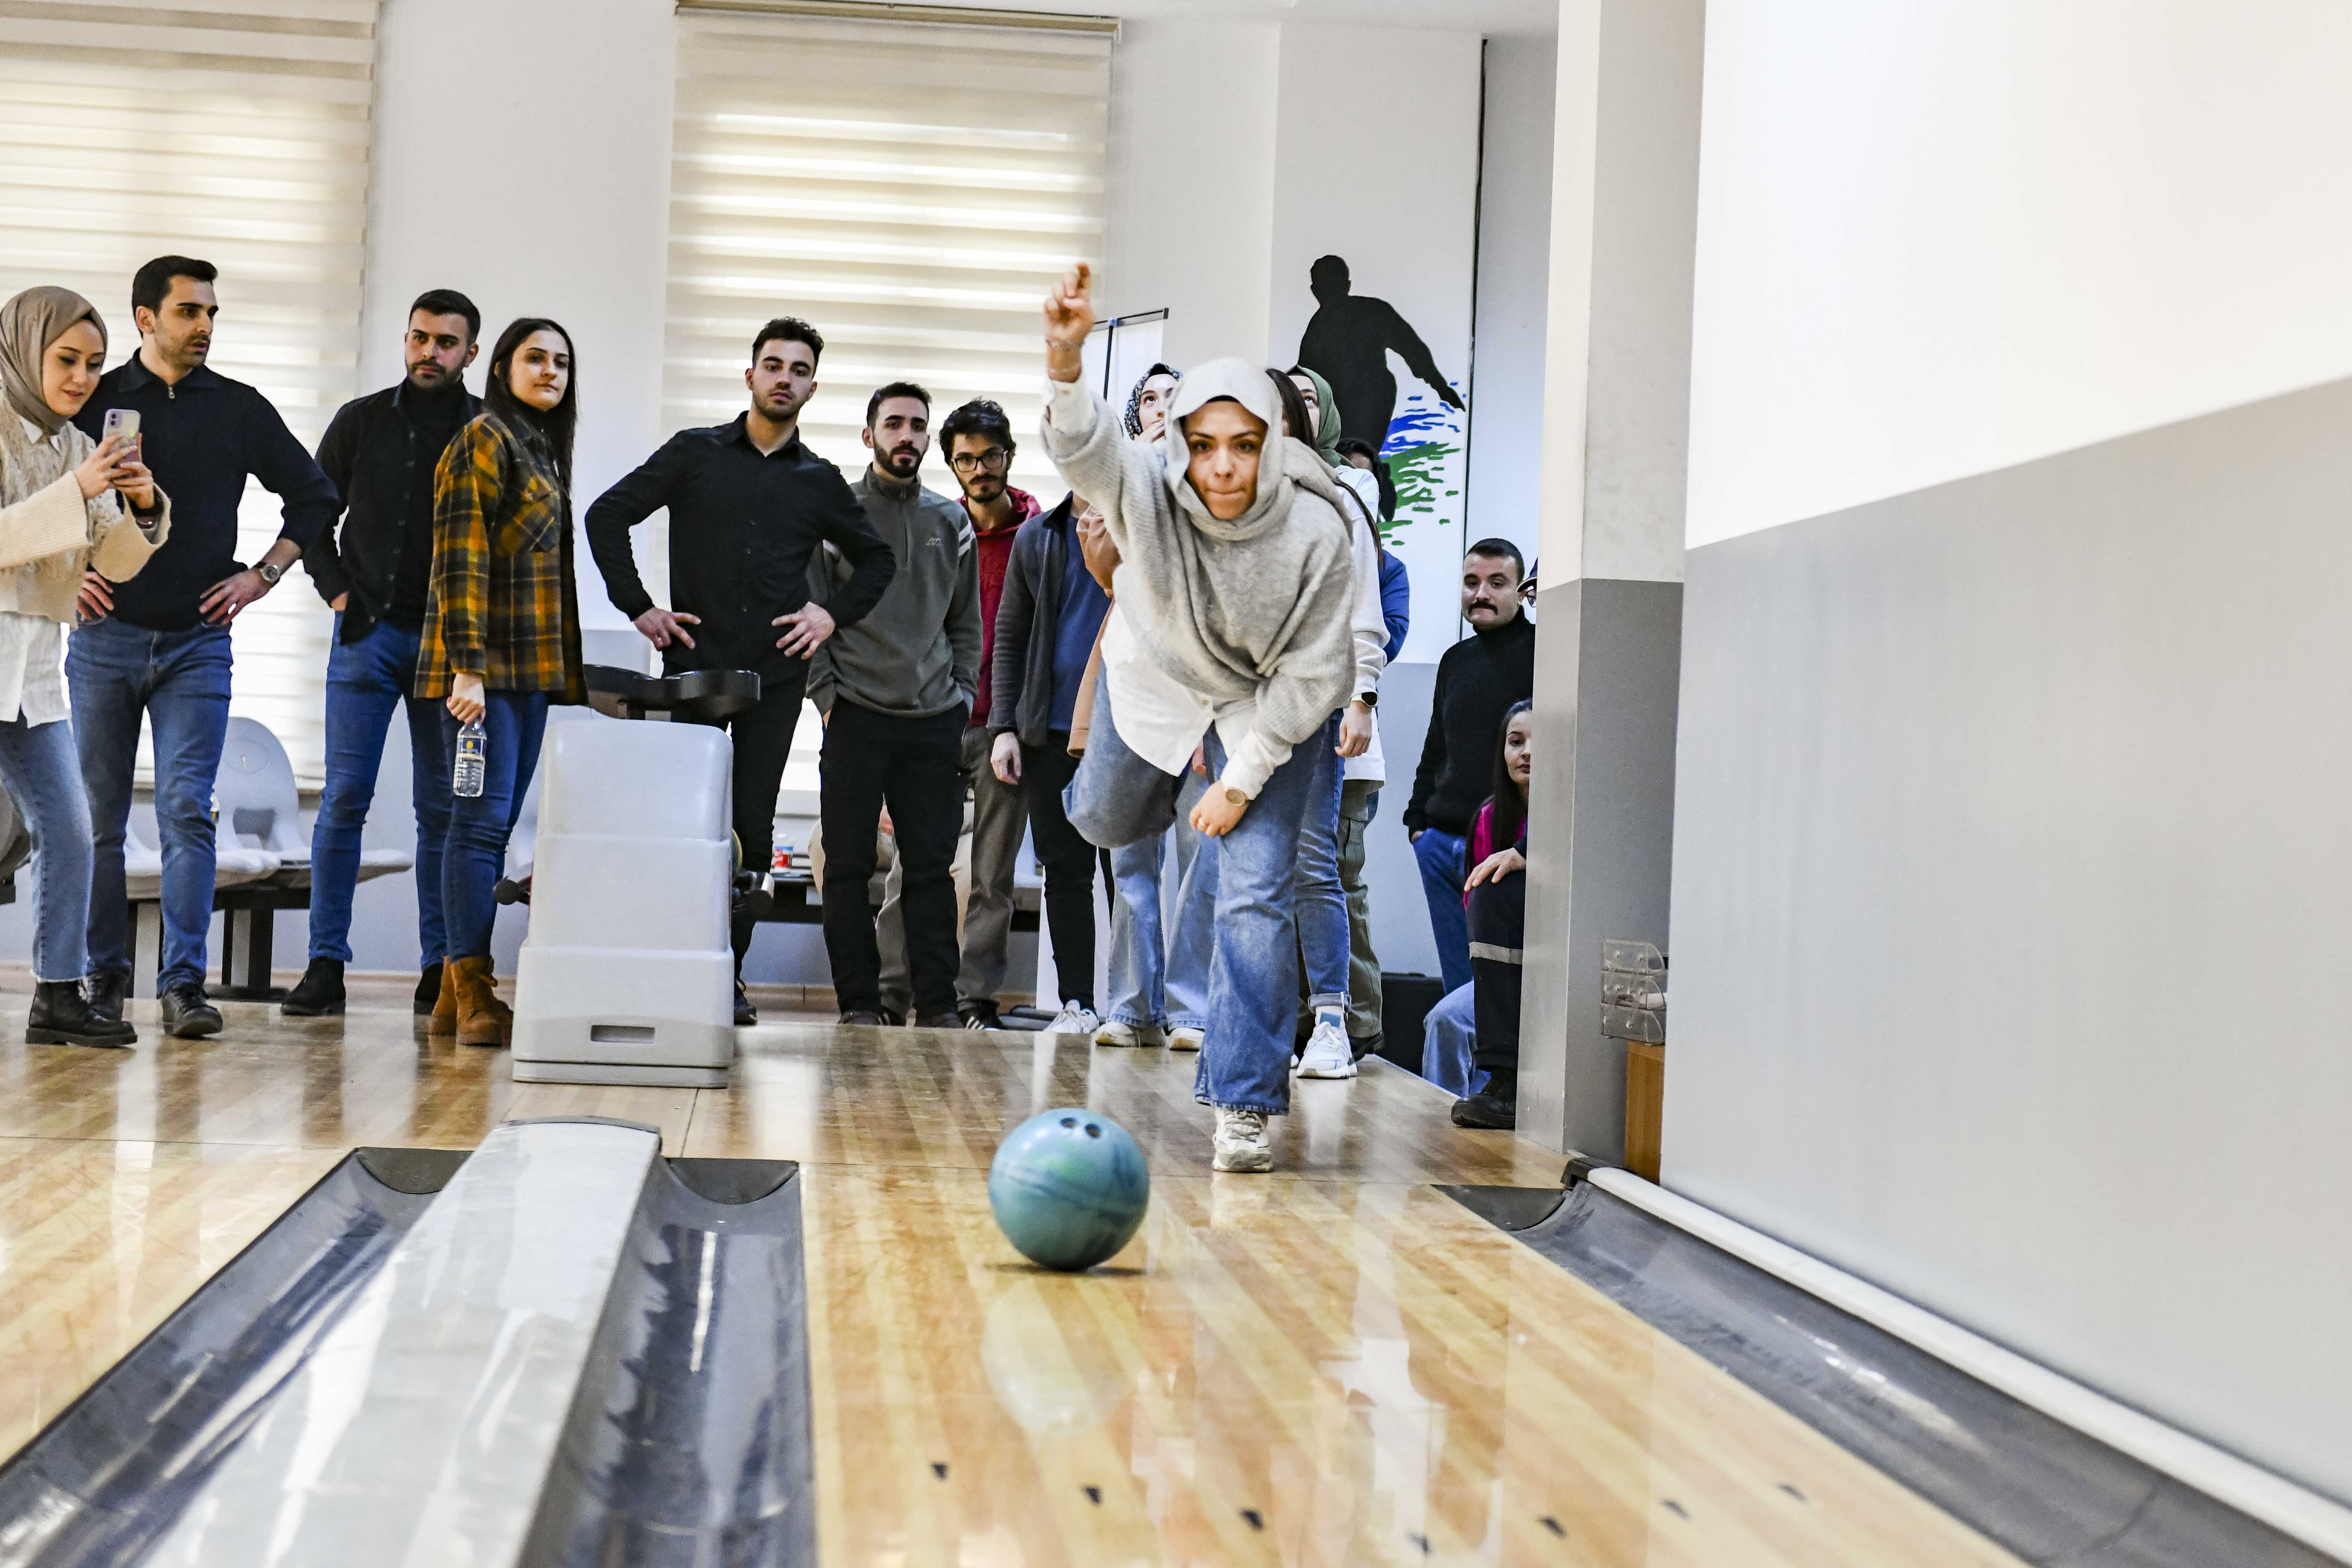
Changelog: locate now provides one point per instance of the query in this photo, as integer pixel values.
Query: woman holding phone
(61, 513)
(501, 634)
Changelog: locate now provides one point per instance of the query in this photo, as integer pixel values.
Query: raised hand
(1069, 318)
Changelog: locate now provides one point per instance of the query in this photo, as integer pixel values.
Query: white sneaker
(1073, 1019)
(1328, 1054)
(1184, 1037)
(1241, 1143)
(1115, 1033)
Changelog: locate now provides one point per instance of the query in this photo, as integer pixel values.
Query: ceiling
(1523, 17)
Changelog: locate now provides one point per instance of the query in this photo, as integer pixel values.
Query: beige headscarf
(29, 323)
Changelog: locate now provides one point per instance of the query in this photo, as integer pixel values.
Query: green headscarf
(1327, 423)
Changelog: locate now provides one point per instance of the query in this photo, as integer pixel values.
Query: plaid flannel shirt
(503, 601)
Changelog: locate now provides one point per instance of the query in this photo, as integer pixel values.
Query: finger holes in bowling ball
(1069, 1121)
(1093, 1131)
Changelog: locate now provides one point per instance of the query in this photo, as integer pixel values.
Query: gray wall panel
(2012, 888)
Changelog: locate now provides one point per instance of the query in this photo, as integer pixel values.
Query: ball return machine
(628, 975)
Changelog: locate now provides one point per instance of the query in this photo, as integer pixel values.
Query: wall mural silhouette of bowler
(1350, 340)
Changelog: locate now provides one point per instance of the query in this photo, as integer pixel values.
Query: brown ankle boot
(444, 1006)
(482, 1018)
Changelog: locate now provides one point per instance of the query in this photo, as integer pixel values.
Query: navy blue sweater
(202, 437)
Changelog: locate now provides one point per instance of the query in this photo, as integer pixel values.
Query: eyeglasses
(993, 459)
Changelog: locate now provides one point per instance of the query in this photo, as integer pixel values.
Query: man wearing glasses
(749, 505)
(979, 441)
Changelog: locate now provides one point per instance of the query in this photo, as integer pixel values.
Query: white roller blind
(236, 131)
(910, 188)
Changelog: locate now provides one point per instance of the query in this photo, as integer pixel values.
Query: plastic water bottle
(466, 771)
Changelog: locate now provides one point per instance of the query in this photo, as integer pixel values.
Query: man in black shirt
(381, 451)
(157, 646)
(749, 505)
(1477, 680)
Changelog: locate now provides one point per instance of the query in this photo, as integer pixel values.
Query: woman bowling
(1234, 587)
(501, 634)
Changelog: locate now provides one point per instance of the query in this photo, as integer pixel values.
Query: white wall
(1941, 238)
(1514, 179)
(1190, 203)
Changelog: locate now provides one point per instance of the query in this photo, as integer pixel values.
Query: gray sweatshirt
(916, 654)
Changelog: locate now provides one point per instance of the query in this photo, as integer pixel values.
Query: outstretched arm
(1408, 347)
(1087, 445)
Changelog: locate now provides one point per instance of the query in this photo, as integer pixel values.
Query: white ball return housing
(628, 975)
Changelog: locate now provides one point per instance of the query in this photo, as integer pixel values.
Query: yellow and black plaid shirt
(503, 601)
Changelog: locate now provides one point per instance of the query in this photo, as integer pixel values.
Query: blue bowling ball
(1068, 1188)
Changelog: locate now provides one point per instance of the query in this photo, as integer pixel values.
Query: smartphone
(122, 422)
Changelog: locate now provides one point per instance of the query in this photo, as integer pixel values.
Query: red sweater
(990, 552)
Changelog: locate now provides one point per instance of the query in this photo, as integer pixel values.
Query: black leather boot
(188, 1014)
(319, 993)
(107, 990)
(61, 1015)
(428, 989)
(1496, 1105)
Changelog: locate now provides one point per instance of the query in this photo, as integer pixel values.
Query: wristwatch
(270, 573)
(1234, 796)
(1369, 698)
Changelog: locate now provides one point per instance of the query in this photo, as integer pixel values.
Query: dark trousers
(763, 744)
(915, 767)
(1498, 925)
(1069, 862)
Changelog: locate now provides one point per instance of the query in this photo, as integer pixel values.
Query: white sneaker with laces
(1074, 1019)
(1241, 1143)
(1185, 1037)
(1328, 1054)
(1115, 1032)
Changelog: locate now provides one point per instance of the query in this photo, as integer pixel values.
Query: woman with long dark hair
(501, 634)
(1495, 892)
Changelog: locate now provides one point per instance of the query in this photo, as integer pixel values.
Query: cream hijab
(1282, 458)
(29, 323)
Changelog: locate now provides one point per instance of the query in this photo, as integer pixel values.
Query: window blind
(911, 188)
(235, 130)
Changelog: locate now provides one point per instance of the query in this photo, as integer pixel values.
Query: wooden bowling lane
(1288, 1371)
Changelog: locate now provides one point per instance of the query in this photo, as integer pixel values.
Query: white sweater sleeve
(1250, 760)
(1369, 628)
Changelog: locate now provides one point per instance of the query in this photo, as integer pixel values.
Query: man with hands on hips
(750, 505)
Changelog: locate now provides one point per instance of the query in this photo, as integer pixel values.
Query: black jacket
(1477, 680)
(742, 528)
(1021, 660)
(382, 468)
(202, 437)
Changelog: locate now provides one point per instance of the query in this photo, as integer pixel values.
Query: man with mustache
(1477, 680)
(897, 691)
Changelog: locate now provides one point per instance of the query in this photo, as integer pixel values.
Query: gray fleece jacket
(917, 652)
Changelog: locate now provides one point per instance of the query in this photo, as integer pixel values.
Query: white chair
(234, 866)
(258, 807)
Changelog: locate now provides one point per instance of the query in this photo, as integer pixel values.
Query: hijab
(1327, 421)
(1282, 459)
(1135, 398)
(29, 323)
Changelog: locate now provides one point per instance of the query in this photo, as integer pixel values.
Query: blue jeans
(1253, 976)
(1322, 902)
(1440, 856)
(365, 681)
(43, 775)
(179, 681)
(1158, 967)
(1449, 1039)
(480, 824)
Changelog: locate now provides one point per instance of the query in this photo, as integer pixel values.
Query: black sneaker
(1495, 1106)
(892, 1016)
(428, 989)
(862, 1018)
(186, 1014)
(980, 1014)
(745, 1014)
(319, 993)
(107, 989)
(939, 1021)
(61, 1015)
(1367, 1045)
